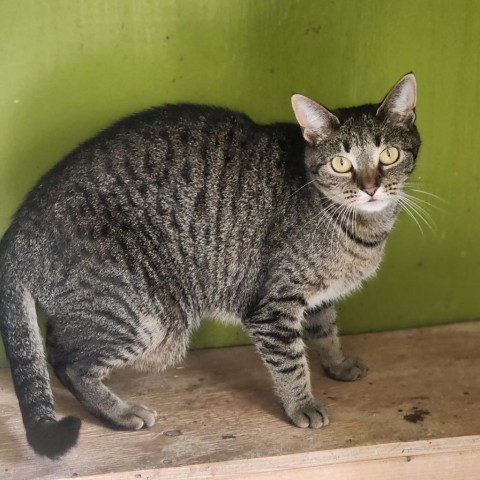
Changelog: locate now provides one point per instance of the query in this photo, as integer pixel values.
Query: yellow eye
(389, 155)
(341, 164)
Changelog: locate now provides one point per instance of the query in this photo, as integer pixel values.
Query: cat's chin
(373, 207)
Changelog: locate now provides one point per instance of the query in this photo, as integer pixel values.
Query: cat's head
(361, 156)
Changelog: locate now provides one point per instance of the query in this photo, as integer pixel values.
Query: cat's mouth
(374, 204)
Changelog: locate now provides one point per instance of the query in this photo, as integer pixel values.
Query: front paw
(308, 416)
(349, 370)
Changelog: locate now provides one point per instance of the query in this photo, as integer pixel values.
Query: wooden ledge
(416, 416)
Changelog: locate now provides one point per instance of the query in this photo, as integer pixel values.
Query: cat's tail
(24, 348)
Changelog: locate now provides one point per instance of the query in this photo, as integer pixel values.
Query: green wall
(69, 68)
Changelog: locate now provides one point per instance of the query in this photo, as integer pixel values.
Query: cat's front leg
(276, 332)
(321, 328)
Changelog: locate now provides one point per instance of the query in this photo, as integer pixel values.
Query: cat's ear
(316, 121)
(398, 107)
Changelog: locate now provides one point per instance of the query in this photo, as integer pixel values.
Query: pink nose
(370, 190)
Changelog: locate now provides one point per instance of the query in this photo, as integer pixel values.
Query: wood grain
(218, 418)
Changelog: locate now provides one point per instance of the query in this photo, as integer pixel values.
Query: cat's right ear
(316, 121)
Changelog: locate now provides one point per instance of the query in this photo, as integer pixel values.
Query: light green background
(69, 68)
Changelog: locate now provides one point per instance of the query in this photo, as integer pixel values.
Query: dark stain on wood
(417, 415)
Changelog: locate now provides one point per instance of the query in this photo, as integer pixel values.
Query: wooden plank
(449, 458)
(219, 417)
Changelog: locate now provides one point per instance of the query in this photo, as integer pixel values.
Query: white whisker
(424, 202)
(421, 212)
(331, 217)
(323, 216)
(413, 200)
(430, 194)
(411, 215)
(303, 186)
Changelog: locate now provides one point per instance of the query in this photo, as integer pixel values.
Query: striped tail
(24, 348)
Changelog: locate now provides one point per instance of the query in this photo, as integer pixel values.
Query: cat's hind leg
(87, 386)
(82, 356)
(321, 328)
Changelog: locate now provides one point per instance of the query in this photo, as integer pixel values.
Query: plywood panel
(219, 407)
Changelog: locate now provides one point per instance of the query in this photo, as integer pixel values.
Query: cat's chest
(343, 277)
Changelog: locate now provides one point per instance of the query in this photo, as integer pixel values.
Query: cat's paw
(308, 416)
(135, 417)
(349, 370)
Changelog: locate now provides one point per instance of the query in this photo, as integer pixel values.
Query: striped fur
(181, 211)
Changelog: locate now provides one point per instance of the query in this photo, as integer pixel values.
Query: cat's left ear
(398, 107)
(316, 121)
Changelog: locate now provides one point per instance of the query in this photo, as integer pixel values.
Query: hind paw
(135, 417)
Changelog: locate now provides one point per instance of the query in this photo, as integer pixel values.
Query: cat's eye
(389, 155)
(341, 164)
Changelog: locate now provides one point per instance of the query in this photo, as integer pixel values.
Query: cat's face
(361, 157)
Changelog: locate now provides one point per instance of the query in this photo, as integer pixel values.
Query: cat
(183, 212)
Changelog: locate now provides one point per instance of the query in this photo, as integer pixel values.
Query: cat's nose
(370, 190)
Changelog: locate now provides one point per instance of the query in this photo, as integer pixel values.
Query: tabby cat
(183, 212)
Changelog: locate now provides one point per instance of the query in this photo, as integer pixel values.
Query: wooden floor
(415, 416)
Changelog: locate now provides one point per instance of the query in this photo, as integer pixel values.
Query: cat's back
(143, 143)
(196, 186)
(172, 150)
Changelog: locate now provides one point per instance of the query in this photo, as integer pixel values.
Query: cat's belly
(224, 316)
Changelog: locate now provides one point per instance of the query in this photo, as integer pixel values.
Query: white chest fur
(351, 280)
